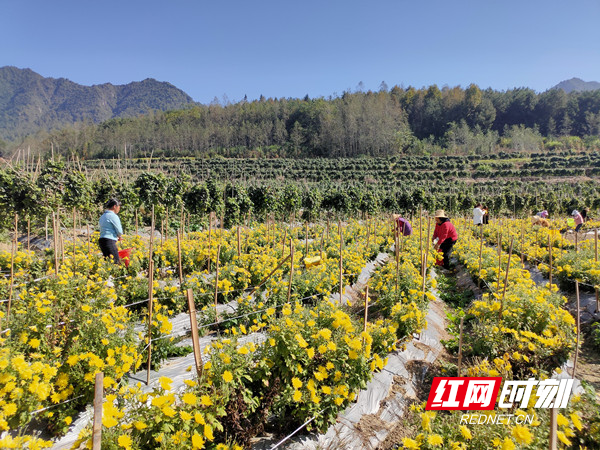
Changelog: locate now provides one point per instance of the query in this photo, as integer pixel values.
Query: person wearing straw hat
(444, 237)
(110, 230)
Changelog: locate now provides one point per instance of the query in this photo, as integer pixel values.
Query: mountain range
(30, 102)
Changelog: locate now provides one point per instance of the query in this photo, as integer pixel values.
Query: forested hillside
(387, 122)
(30, 102)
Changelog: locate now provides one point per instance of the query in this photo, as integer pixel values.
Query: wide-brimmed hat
(395, 216)
(441, 214)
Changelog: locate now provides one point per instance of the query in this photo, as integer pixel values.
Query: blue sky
(289, 49)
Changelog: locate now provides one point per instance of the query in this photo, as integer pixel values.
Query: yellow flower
(296, 383)
(410, 443)
(124, 441)
(576, 421)
(561, 437)
(522, 434)
(227, 376)
(34, 343)
(139, 425)
(508, 444)
(297, 396)
(189, 398)
(434, 440)
(205, 400)
(562, 421)
(68, 420)
(197, 441)
(165, 383)
(208, 432)
(466, 432)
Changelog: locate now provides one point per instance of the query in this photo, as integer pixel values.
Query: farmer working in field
(402, 225)
(110, 230)
(446, 236)
(478, 214)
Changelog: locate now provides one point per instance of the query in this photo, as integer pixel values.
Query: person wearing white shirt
(478, 215)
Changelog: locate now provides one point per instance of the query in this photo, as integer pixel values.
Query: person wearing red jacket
(446, 236)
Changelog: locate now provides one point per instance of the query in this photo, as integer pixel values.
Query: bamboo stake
(209, 237)
(366, 308)
(46, 227)
(28, 233)
(74, 231)
(289, 293)
(150, 311)
(55, 242)
(217, 283)
(523, 244)
(553, 428)
(505, 277)
(577, 319)
(597, 300)
(88, 237)
(460, 341)
(306, 241)
(136, 223)
(162, 231)
(13, 250)
(270, 274)
(341, 260)
(499, 260)
(550, 260)
(167, 226)
(98, 400)
(239, 249)
(421, 236)
(180, 266)
(152, 225)
(195, 337)
(596, 245)
(480, 256)
(576, 243)
(426, 253)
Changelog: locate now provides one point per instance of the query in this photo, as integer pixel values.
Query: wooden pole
(179, 258)
(424, 274)
(88, 238)
(341, 260)
(217, 283)
(366, 307)
(195, 337)
(550, 262)
(136, 223)
(306, 241)
(460, 340)
(162, 231)
(74, 231)
(576, 243)
(28, 234)
(597, 301)
(270, 274)
(239, 248)
(596, 245)
(46, 227)
(12, 269)
(167, 226)
(523, 244)
(421, 236)
(499, 260)
(98, 400)
(55, 239)
(505, 278)
(553, 428)
(289, 293)
(150, 311)
(480, 256)
(577, 319)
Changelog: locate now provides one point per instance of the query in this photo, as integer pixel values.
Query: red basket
(124, 255)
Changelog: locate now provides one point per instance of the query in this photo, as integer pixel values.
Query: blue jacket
(110, 226)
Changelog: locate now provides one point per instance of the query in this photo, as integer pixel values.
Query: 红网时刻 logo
(481, 393)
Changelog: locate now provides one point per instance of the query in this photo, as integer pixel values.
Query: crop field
(288, 351)
(255, 311)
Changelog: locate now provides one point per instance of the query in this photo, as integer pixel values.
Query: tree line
(372, 123)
